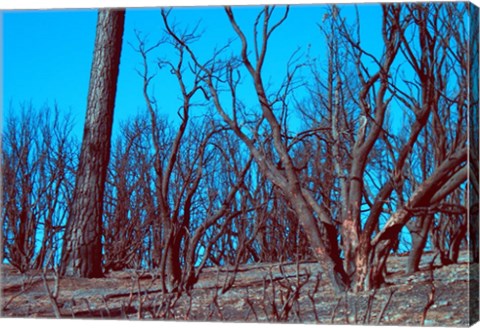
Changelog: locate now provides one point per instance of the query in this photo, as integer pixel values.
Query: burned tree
(433, 113)
(82, 246)
(368, 237)
(268, 131)
(185, 156)
(128, 198)
(37, 169)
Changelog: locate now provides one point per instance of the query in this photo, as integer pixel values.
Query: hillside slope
(266, 293)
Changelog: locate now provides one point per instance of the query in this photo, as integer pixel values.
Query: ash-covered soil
(264, 293)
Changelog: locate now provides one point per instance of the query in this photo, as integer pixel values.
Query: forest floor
(264, 293)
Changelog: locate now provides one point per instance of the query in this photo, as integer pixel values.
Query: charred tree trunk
(322, 238)
(454, 250)
(173, 268)
(157, 237)
(419, 232)
(82, 246)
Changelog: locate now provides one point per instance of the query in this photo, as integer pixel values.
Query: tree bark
(82, 246)
(419, 232)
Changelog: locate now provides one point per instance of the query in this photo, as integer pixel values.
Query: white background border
(57, 4)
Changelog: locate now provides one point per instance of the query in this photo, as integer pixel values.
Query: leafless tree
(436, 101)
(366, 241)
(37, 167)
(82, 246)
(185, 158)
(390, 201)
(128, 198)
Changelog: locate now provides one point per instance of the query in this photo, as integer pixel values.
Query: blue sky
(48, 53)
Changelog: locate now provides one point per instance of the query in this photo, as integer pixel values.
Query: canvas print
(285, 164)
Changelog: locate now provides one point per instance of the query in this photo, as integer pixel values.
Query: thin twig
(334, 312)
(431, 295)
(384, 308)
(368, 311)
(107, 309)
(88, 306)
(347, 319)
(52, 295)
(252, 308)
(312, 300)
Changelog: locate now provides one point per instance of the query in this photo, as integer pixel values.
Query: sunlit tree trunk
(82, 247)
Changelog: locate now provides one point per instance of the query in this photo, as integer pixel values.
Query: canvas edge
(473, 126)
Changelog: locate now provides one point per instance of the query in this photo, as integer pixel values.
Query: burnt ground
(260, 293)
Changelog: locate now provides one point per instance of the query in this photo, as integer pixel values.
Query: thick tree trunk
(323, 242)
(82, 246)
(456, 242)
(419, 232)
(371, 265)
(173, 270)
(157, 242)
